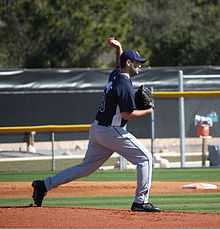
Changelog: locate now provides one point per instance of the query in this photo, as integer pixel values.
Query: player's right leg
(95, 156)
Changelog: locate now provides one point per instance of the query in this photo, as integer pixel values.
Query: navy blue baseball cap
(132, 55)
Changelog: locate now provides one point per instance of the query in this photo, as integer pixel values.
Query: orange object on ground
(202, 130)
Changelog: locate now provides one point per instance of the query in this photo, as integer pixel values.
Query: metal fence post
(123, 163)
(182, 120)
(53, 166)
(152, 129)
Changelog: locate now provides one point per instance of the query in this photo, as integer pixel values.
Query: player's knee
(146, 159)
(144, 163)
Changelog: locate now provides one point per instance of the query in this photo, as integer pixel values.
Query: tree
(59, 33)
(72, 33)
(179, 32)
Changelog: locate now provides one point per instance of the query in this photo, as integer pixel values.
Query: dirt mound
(75, 217)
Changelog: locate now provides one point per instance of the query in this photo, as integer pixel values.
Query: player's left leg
(134, 151)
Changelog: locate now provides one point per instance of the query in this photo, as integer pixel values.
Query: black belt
(104, 124)
(101, 124)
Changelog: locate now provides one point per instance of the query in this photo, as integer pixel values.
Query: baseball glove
(143, 98)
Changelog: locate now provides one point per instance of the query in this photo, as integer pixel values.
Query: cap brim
(132, 55)
(140, 60)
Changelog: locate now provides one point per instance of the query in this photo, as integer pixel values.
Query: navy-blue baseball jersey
(118, 97)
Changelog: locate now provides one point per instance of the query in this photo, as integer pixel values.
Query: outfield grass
(187, 174)
(208, 202)
(44, 165)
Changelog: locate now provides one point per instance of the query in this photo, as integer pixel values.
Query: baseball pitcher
(108, 132)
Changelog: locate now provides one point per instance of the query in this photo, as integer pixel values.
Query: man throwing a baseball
(108, 134)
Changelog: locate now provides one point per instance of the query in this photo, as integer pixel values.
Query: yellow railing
(177, 94)
(46, 128)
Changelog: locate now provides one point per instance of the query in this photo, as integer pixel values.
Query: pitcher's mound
(70, 217)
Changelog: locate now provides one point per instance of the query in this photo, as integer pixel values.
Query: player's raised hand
(112, 42)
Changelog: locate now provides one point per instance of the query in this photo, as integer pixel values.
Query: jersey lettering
(102, 104)
(108, 87)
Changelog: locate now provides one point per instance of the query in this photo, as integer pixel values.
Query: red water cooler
(202, 130)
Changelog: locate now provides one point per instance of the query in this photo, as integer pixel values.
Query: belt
(103, 124)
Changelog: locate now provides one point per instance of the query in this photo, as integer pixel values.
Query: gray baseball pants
(103, 141)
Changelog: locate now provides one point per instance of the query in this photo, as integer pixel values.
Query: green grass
(44, 165)
(188, 174)
(208, 202)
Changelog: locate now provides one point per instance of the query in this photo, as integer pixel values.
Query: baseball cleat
(146, 207)
(39, 191)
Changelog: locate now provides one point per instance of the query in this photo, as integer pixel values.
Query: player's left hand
(143, 98)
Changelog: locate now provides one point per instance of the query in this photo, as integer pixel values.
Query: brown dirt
(90, 217)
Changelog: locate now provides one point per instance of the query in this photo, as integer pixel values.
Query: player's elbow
(126, 115)
(135, 114)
